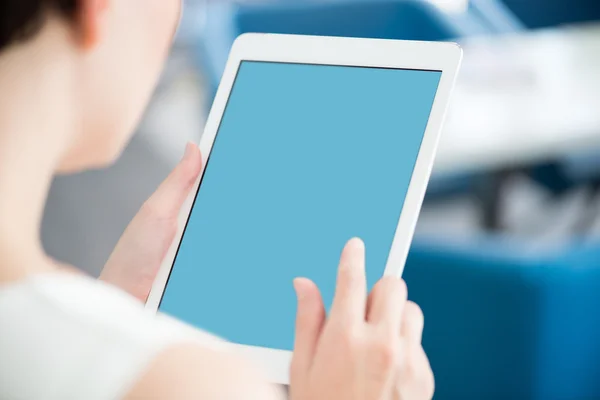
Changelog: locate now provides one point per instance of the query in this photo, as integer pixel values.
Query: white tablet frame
(435, 56)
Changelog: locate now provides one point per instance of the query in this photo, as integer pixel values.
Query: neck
(35, 128)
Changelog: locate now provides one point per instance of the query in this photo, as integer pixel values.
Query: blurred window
(451, 6)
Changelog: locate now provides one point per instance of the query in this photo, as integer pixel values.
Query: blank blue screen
(306, 157)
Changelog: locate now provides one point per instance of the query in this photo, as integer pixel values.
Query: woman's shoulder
(70, 336)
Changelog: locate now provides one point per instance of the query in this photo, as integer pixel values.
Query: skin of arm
(190, 372)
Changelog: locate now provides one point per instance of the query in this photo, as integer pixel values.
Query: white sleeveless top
(69, 337)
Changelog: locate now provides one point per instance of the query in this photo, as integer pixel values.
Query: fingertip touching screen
(305, 158)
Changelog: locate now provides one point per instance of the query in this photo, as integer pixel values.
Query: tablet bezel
(377, 53)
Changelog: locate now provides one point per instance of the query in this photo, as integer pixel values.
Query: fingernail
(357, 244)
(298, 288)
(188, 151)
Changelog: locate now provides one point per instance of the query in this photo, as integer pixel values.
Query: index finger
(350, 299)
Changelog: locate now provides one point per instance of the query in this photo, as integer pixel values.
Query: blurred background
(506, 260)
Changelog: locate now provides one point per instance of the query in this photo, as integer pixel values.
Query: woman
(75, 76)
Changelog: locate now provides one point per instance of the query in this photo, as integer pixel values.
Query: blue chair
(548, 13)
(388, 19)
(506, 322)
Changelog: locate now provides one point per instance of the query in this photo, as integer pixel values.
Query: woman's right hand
(368, 348)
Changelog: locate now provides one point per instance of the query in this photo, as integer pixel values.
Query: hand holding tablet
(310, 141)
(365, 349)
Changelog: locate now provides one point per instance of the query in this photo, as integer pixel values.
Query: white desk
(524, 98)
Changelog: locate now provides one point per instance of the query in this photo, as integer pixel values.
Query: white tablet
(310, 141)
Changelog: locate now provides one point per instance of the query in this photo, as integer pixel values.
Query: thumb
(172, 192)
(310, 319)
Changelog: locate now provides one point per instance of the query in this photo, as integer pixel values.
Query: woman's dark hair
(22, 19)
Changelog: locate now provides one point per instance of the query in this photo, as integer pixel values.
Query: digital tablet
(310, 141)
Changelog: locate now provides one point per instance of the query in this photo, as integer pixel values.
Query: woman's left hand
(135, 261)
